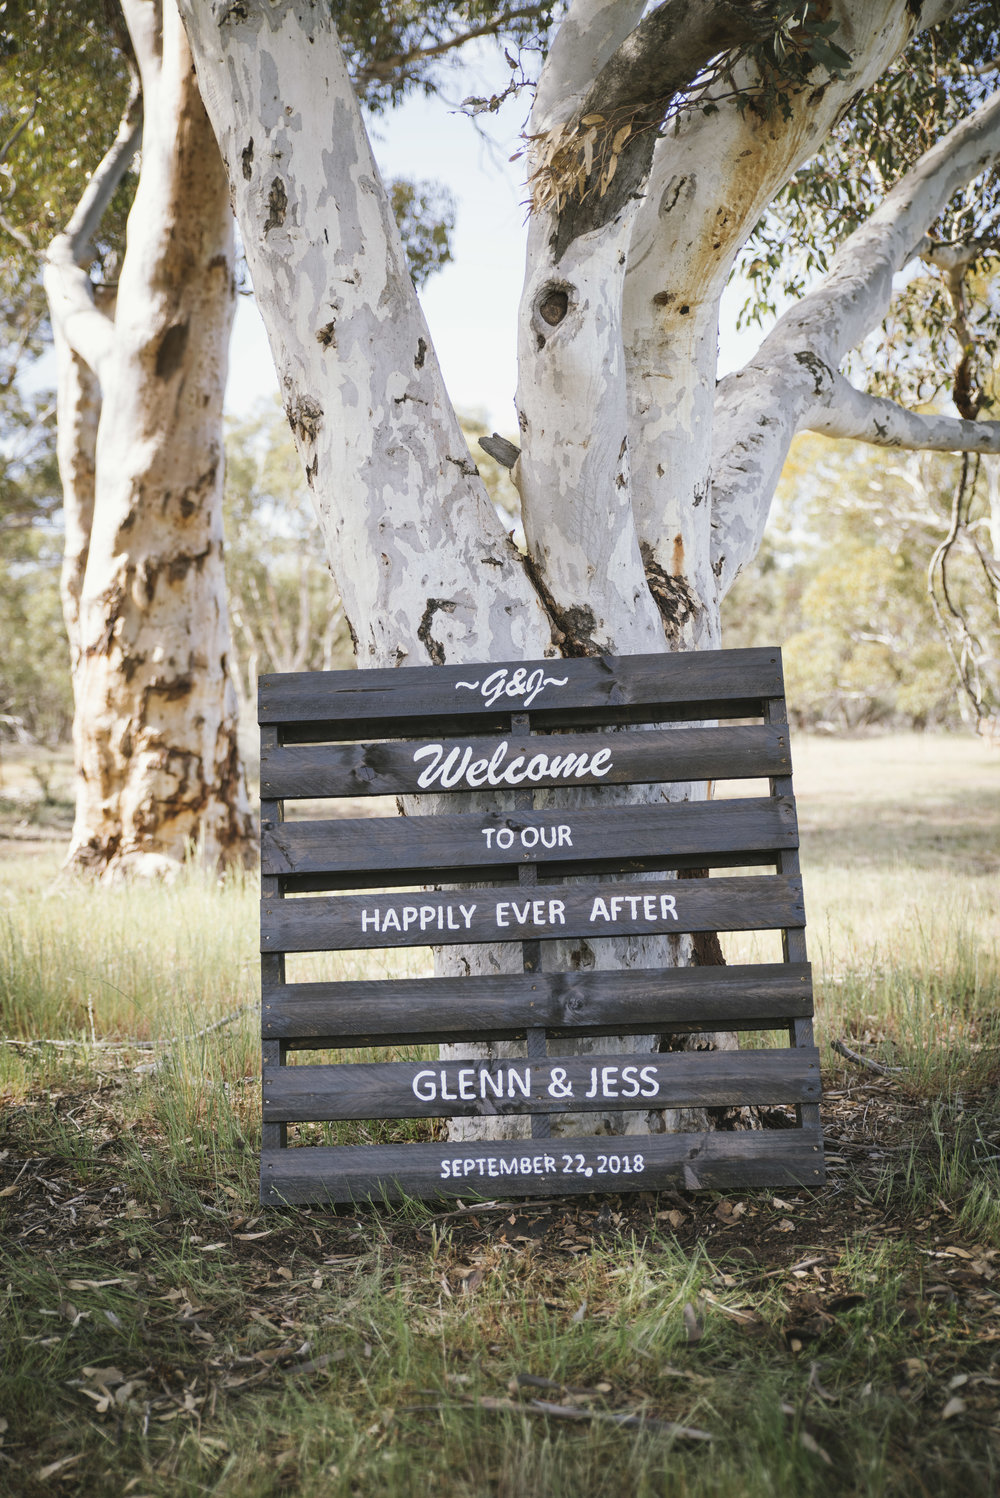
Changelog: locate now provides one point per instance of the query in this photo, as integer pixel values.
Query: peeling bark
(155, 727)
(419, 555)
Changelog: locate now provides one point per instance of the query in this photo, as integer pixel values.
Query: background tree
(283, 603)
(35, 693)
(66, 79)
(841, 580)
(141, 369)
(140, 401)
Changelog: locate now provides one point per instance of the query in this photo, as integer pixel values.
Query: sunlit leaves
(802, 42)
(425, 214)
(66, 65)
(65, 72)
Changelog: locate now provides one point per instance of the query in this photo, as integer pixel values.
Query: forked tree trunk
(637, 513)
(155, 731)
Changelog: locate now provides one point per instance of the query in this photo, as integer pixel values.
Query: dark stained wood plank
(501, 875)
(495, 840)
(644, 756)
(557, 1084)
(715, 683)
(793, 941)
(273, 1048)
(556, 1167)
(422, 1010)
(346, 922)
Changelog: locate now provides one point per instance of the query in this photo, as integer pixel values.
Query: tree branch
(957, 256)
(964, 648)
(89, 211)
(88, 331)
(857, 292)
(144, 21)
(18, 131)
(953, 262)
(711, 178)
(668, 49)
(16, 234)
(589, 36)
(847, 412)
(759, 409)
(384, 68)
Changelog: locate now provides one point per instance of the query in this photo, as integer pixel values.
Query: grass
(164, 1336)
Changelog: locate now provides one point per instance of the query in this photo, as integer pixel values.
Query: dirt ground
(58, 1204)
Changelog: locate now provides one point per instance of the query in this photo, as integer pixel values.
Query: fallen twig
(517, 1207)
(802, 1264)
(576, 1412)
(843, 1049)
(128, 1042)
(736, 1314)
(533, 1381)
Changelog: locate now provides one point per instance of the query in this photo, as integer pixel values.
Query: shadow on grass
(167, 1336)
(944, 835)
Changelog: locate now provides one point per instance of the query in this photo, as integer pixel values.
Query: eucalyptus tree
(659, 140)
(660, 137)
(141, 385)
(142, 368)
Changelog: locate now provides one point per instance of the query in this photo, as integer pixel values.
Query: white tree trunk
(420, 558)
(155, 726)
(711, 180)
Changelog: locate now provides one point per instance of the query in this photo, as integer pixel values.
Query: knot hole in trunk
(551, 305)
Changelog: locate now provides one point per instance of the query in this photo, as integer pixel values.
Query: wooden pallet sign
(518, 856)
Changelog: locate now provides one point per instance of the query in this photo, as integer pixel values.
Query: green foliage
(284, 608)
(29, 476)
(867, 651)
(425, 214)
(35, 687)
(66, 78)
(395, 47)
(66, 70)
(799, 39)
